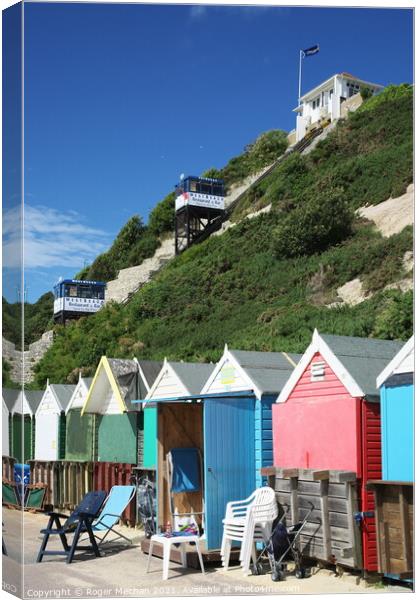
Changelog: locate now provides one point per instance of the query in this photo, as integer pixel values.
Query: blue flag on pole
(310, 51)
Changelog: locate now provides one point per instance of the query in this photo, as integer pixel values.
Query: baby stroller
(146, 505)
(283, 545)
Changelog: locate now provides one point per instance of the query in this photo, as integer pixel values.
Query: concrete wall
(28, 359)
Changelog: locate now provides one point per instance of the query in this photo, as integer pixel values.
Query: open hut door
(229, 459)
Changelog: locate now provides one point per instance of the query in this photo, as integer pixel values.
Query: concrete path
(121, 571)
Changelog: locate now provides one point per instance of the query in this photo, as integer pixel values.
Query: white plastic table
(167, 543)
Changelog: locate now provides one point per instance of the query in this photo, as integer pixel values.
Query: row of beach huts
(332, 428)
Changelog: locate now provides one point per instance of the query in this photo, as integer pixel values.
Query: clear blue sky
(120, 99)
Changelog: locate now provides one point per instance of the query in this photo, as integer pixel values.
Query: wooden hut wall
(263, 437)
(397, 408)
(150, 436)
(117, 438)
(80, 436)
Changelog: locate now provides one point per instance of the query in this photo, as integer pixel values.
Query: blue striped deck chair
(117, 501)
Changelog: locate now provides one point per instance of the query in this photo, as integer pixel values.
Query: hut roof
(10, 396)
(192, 375)
(261, 372)
(78, 395)
(403, 362)
(149, 370)
(363, 358)
(63, 393)
(269, 371)
(356, 362)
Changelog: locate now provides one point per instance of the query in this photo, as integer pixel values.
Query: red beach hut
(328, 416)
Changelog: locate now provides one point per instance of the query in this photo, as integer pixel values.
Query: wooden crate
(331, 533)
(394, 524)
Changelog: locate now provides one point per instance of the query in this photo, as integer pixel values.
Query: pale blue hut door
(229, 459)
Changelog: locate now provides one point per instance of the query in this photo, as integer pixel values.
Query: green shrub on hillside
(389, 94)
(161, 219)
(365, 93)
(316, 224)
(395, 320)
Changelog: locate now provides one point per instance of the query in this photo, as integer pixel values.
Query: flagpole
(300, 75)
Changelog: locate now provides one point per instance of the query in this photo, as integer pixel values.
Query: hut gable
(79, 394)
(355, 362)
(179, 379)
(33, 399)
(113, 387)
(27, 402)
(318, 382)
(55, 399)
(261, 372)
(403, 362)
(21, 405)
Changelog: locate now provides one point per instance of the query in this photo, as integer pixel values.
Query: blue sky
(121, 99)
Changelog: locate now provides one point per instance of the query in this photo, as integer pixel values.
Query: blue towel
(185, 470)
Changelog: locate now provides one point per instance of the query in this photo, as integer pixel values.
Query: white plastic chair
(248, 521)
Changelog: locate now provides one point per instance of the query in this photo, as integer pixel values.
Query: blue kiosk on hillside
(199, 206)
(75, 298)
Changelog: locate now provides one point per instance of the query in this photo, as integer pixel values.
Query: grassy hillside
(266, 283)
(38, 319)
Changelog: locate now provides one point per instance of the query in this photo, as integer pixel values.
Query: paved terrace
(121, 571)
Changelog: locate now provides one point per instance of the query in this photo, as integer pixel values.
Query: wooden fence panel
(331, 533)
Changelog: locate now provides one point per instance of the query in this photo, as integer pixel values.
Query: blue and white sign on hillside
(203, 200)
(87, 305)
(203, 192)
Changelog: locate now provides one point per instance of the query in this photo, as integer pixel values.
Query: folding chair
(79, 521)
(184, 475)
(119, 498)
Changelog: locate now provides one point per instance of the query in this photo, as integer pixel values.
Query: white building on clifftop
(325, 102)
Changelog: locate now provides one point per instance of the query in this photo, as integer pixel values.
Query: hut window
(317, 371)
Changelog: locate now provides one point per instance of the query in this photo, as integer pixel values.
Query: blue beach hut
(394, 493)
(397, 410)
(227, 418)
